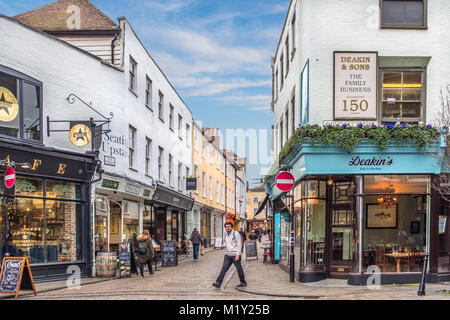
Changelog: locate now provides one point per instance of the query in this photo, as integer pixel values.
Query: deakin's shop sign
(355, 85)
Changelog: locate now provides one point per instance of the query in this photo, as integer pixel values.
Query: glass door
(342, 230)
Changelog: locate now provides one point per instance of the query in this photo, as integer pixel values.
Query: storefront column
(428, 222)
(360, 213)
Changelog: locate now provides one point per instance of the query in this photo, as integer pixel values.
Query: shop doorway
(161, 224)
(341, 230)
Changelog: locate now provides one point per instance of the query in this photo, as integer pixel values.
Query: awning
(262, 206)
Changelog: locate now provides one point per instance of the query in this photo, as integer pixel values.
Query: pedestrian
(233, 244)
(243, 237)
(145, 252)
(196, 239)
(133, 251)
(260, 234)
(252, 235)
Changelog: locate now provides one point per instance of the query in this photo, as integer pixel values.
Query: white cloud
(219, 87)
(167, 6)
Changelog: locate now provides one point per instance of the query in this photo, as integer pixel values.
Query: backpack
(142, 247)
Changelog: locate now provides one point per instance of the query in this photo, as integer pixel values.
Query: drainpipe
(112, 47)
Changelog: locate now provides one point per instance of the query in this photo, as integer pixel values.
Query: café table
(401, 255)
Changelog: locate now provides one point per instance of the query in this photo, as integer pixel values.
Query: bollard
(421, 291)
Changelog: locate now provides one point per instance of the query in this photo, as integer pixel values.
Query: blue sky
(216, 53)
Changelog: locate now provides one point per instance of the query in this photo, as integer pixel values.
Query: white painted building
(316, 29)
(147, 155)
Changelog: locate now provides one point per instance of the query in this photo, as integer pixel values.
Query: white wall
(62, 70)
(147, 122)
(336, 25)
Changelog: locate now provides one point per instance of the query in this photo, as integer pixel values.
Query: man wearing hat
(233, 243)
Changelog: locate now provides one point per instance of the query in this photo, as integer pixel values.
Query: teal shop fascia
(365, 159)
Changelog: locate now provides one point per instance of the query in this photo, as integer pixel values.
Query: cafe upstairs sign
(355, 85)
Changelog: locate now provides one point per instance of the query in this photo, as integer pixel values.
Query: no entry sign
(285, 181)
(10, 177)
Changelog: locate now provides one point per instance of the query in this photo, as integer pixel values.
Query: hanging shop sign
(355, 85)
(80, 134)
(9, 107)
(110, 184)
(191, 184)
(171, 198)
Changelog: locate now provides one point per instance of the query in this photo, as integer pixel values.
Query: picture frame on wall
(415, 227)
(381, 217)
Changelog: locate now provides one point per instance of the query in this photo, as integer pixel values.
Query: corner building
(360, 64)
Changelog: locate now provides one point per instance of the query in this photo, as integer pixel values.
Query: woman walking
(145, 252)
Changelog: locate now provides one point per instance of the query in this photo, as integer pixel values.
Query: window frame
(292, 53)
(171, 170)
(148, 152)
(133, 74)
(132, 148)
(148, 92)
(21, 78)
(180, 127)
(404, 26)
(161, 163)
(171, 114)
(424, 91)
(161, 106)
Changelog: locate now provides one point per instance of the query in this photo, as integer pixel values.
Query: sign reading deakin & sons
(355, 85)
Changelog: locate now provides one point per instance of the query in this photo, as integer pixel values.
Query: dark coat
(144, 257)
(196, 238)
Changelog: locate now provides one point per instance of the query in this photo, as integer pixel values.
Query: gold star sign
(80, 135)
(9, 107)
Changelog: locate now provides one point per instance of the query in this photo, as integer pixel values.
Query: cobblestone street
(192, 281)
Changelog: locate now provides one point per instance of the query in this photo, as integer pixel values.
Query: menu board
(169, 253)
(124, 259)
(251, 249)
(13, 278)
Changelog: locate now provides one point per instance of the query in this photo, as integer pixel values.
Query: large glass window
(402, 96)
(20, 106)
(130, 219)
(149, 219)
(395, 219)
(314, 224)
(44, 221)
(403, 13)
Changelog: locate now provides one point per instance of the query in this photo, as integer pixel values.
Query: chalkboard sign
(218, 243)
(169, 253)
(124, 259)
(13, 278)
(251, 249)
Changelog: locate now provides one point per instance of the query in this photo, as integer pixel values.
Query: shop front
(46, 218)
(169, 211)
(121, 210)
(362, 212)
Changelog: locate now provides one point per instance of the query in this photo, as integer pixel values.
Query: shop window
(394, 227)
(402, 96)
(443, 237)
(130, 219)
(133, 75)
(20, 106)
(403, 13)
(63, 219)
(149, 220)
(43, 229)
(169, 226)
(63, 190)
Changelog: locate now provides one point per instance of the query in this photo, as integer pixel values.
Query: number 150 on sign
(355, 105)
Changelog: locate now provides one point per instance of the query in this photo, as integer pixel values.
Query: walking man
(233, 244)
(243, 238)
(196, 239)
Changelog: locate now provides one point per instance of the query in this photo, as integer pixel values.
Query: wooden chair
(414, 261)
(380, 257)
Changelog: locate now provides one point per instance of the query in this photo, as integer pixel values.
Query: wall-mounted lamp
(330, 181)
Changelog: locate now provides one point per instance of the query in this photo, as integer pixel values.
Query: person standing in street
(233, 244)
(145, 252)
(243, 237)
(260, 232)
(196, 239)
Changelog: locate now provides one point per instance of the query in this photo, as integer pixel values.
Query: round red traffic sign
(10, 177)
(285, 181)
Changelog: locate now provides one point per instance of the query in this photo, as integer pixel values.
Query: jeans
(149, 264)
(227, 262)
(196, 248)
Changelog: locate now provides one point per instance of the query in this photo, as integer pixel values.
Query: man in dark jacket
(145, 252)
(243, 237)
(196, 239)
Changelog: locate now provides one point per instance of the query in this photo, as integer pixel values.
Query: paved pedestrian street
(192, 281)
